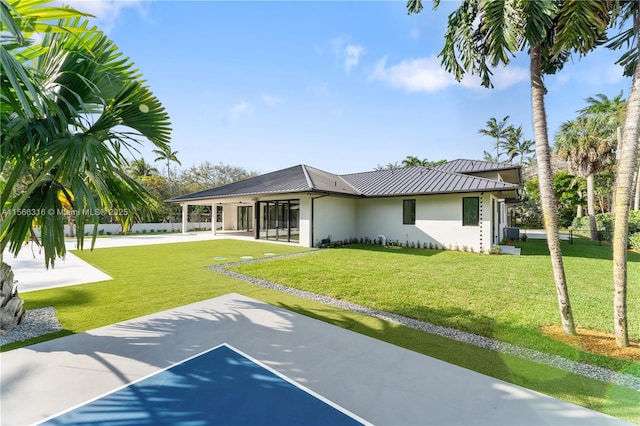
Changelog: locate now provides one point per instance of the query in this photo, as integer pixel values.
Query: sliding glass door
(245, 218)
(279, 220)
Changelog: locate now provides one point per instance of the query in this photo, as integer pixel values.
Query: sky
(343, 86)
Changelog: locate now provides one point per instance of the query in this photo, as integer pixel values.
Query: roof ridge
(307, 176)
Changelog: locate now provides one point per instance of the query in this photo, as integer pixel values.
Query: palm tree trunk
(591, 208)
(636, 202)
(11, 306)
(626, 167)
(545, 176)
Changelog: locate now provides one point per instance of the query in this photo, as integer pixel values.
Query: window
(470, 211)
(408, 212)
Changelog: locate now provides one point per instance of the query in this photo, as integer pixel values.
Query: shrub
(634, 241)
(604, 223)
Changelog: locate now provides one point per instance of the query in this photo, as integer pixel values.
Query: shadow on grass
(581, 247)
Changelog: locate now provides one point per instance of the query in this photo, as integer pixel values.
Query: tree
(498, 130)
(168, 156)
(588, 144)
(77, 106)
(481, 35)
(415, 161)
(206, 175)
(140, 167)
(627, 162)
(517, 146)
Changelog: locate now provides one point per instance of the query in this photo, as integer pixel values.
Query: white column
(214, 215)
(185, 218)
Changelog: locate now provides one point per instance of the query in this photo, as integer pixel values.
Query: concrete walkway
(382, 383)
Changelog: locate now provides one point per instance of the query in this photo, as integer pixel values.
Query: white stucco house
(456, 204)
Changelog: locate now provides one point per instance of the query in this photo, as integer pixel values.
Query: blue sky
(341, 86)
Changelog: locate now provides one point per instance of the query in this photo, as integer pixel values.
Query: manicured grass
(149, 279)
(508, 298)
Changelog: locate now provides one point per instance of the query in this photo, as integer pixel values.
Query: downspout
(312, 214)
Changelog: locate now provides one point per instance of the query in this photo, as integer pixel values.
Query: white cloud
(349, 54)
(413, 75)
(352, 55)
(238, 110)
(107, 12)
(271, 100)
(428, 75)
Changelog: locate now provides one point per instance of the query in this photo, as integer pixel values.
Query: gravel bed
(36, 322)
(591, 371)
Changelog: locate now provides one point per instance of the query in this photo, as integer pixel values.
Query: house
(456, 204)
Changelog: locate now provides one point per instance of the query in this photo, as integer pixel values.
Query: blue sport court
(221, 386)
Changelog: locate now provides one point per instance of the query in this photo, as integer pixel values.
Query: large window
(408, 212)
(470, 211)
(279, 220)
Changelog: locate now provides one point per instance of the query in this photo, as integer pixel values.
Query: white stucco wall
(438, 220)
(334, 218)
(305, 221)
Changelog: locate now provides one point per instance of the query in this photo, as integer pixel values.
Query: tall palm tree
(517, 146)
(588, 144)
(168, 156)
(481, 35)
(91, 107)
(499, 130)
(629, 144)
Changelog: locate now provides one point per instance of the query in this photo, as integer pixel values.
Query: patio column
(214, 217)
(185, 218)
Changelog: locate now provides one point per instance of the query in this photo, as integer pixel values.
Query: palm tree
(169, 156)
(498, 130)
(487, 156)
(140, 167)
(91, 106)
(481, 35)
(587, 143)
(628, 147)
(412, 161)
(516, 145)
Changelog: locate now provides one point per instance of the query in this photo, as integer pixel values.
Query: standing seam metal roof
(378, 183)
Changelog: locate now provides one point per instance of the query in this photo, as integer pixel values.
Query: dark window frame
(409, 208)
(470, 218)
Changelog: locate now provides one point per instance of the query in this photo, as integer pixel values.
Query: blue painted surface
(219, 387)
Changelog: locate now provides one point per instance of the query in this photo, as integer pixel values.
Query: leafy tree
(66, 101)
(207, 175)
(566, 189)
(482, 35)
(500, 131)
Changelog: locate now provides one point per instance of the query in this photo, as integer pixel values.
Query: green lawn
(505, 297)
(508, 298)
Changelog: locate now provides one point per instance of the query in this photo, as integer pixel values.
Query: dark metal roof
(379, 183)
(471, 166)
(298, 178)
(421, 180)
